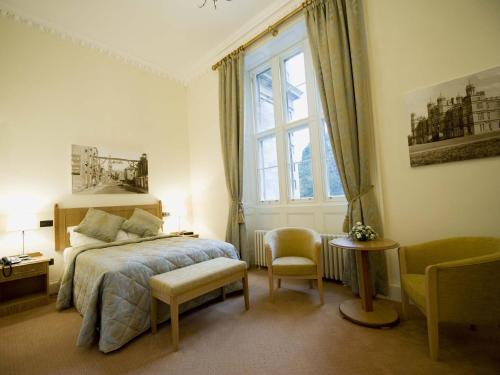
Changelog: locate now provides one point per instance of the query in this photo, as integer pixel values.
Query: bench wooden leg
(154, 314)
(223, 292)
(174, 321)
(279, 283)
(245, 291)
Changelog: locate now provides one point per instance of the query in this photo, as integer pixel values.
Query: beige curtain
(231, 132)
(335, 30)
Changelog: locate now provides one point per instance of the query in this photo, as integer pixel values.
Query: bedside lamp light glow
(21, 223)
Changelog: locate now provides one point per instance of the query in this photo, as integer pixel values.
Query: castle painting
(456, 120)
(95, 171)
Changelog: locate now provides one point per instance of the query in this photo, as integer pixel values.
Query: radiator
(333, 257)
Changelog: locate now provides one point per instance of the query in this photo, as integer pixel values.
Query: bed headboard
(68, 217)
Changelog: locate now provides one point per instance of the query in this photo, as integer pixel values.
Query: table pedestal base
(383, 315)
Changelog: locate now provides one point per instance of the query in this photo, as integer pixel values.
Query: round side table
(366, 311)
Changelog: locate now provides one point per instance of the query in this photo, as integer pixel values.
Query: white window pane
(300, 164)
(268, 169)
(269, 156)
(265, 102)
(295, 88)
(333, 183)
(270, 188)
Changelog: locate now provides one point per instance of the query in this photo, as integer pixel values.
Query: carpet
(293, 335)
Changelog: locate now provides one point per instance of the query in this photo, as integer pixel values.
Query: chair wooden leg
(174, 321)
(320, 290)
(279, 283)
(154, 314)
(223, 292)
(311, 283)
(433, 334)
(245, 291)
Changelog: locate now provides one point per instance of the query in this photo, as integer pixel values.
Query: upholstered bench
(187, 283)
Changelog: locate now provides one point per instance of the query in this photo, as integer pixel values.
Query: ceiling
(174, 37)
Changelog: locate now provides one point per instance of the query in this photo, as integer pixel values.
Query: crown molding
(261, 21)
(124, 57)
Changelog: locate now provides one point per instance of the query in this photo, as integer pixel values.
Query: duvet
(108, 284)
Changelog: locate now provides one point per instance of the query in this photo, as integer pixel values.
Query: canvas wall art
(97, 171)
(455, 120)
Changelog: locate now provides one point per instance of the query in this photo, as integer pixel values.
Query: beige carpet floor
(293, 335)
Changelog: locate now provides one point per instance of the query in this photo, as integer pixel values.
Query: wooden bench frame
(175, 301)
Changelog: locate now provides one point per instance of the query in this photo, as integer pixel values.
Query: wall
(210, 199)
(54, 93)
(415, 44)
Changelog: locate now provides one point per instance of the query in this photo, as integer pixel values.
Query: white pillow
(79, 239)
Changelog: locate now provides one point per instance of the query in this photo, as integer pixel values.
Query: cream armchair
(293, 253)
(453, 280)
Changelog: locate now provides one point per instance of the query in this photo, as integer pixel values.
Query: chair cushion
(414, 285)
(184, 279)
(294, 266)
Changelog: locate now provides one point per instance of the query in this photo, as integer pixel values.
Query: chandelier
(205, 1)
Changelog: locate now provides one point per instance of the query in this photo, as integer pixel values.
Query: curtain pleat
(232, 137)
(335, 31)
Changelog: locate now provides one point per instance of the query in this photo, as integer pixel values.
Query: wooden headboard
(68, 217)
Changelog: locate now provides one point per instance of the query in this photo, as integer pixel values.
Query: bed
(108, 283)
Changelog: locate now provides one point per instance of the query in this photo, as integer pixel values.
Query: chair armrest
(466, 290)
(415, 258)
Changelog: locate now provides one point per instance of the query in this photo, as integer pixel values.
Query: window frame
(314, 121)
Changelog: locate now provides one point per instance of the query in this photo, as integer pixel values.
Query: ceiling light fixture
(205, 1)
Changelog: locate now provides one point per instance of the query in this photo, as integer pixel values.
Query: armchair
(293, 253)
(452, 280)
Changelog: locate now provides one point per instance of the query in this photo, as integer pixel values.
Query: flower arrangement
(361, 232)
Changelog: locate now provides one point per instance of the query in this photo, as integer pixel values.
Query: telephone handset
(7, 263)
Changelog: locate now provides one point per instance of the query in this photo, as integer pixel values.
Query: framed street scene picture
(455, 120)
(96, 171)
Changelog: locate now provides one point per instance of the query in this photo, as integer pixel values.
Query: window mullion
(319, 179)
(278, 118)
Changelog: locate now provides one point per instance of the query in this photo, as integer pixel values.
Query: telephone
(7, 263)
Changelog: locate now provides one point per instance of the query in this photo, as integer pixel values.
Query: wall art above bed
(96, 171)
(455, 120)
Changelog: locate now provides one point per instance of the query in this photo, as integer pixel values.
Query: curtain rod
(272, 29)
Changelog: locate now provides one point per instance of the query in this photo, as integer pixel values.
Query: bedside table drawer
(26, 270)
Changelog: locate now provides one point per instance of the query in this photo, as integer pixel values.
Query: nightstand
(26, 287)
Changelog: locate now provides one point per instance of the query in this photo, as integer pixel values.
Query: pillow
(101, 225)
(142, 223)
(77, 239)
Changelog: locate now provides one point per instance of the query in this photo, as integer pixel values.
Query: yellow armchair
(293, 253)
(452, 280)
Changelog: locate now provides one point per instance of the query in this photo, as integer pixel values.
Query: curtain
(335, 31)
(232, 137)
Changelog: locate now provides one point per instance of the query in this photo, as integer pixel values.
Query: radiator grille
(333, 257)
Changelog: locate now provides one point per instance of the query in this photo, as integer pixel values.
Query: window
(268, 169)
(295, 87)
(293, 156)
(300, 164)
(265, 106)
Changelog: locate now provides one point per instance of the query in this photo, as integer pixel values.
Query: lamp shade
(22, 221)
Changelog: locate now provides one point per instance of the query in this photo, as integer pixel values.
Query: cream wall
(411, 44)
(210, 199)
(54, 93)
(415, 44)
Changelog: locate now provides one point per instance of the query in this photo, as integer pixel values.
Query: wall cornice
(47, 27)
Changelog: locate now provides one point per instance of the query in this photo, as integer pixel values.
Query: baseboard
(54, 287)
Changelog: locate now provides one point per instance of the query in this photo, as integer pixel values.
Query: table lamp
(21, 223)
